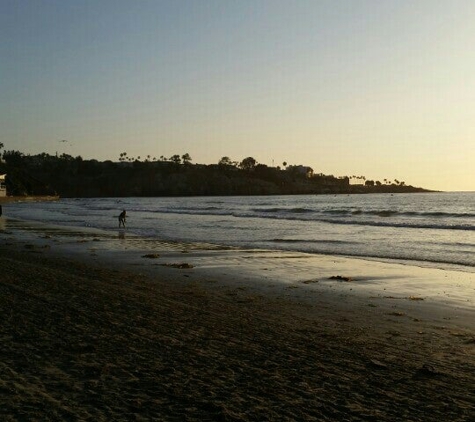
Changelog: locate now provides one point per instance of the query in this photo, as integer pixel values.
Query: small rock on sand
(180, 266)
(340, 278)
(151, 255)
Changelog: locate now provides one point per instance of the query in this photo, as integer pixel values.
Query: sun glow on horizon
(380, 89)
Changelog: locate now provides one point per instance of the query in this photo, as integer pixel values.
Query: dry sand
(93, 330)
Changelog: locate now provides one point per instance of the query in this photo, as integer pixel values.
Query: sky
(379, 88)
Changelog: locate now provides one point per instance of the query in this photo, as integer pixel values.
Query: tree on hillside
(66, 157)
(186, 158)
(248, 164)
(225, 161)
(176, 159)
(13, 157)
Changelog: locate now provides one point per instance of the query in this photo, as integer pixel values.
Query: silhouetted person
(122, 216)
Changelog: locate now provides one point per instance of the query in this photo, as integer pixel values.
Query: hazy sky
(384, 89)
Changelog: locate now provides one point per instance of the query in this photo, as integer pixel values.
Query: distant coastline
(48, 177)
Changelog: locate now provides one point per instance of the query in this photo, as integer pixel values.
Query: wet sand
(104, 326)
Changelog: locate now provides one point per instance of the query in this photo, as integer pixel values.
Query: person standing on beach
(122, 216)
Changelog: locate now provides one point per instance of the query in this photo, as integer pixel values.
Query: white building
(3, 187)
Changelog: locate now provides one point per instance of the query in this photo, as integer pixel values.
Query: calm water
(432, 227)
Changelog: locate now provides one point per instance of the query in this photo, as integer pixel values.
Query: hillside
(74, 177)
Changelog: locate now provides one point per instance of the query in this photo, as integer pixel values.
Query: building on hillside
(3, 187)
(300, 170)
(331, 183)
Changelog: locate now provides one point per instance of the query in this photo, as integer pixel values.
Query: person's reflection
(121, 234)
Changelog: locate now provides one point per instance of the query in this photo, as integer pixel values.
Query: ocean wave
(293, 213)
(377, 223)
(192, 211)
(461, 261)
(452, 244)
(394, 212)
(410, 225)
(313, 241)
(300, 210)
(337, 211)
(306, 215)
(268, 210)
(436, 261)
(91, 207)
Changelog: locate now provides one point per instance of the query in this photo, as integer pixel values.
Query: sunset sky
(384, 89)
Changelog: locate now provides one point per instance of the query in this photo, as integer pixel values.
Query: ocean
(435, 229)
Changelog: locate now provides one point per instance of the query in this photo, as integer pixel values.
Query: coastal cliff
(74, 177)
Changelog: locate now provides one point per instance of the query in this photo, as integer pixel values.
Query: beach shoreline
(28, 198)
(107, 326)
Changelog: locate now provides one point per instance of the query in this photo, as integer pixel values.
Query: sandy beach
(104, 326)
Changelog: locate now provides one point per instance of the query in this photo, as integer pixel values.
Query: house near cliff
(3, 187)
(301, 170)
